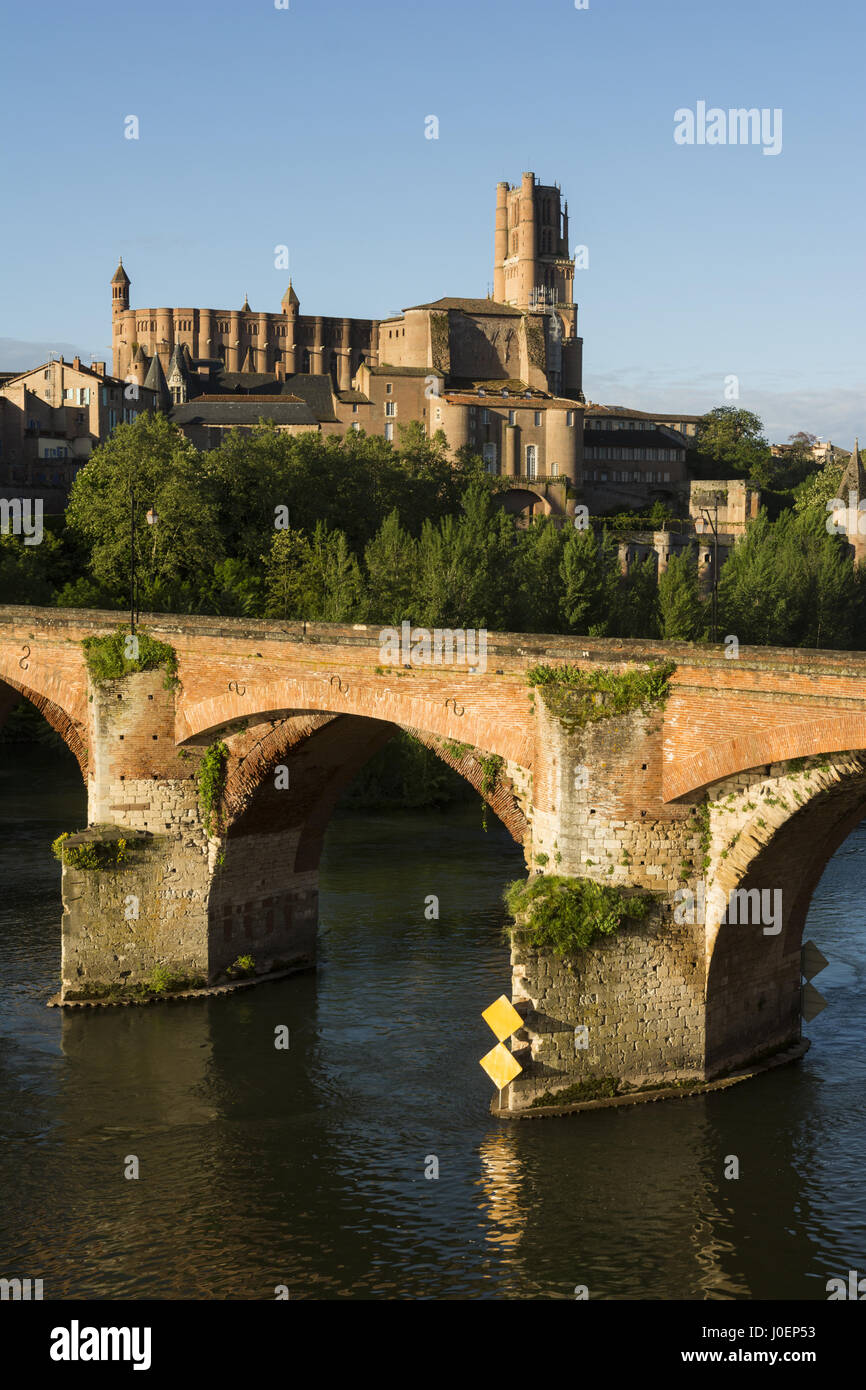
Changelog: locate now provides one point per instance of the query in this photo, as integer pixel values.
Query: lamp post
(713, 523)
(152, 519)
(132, 561)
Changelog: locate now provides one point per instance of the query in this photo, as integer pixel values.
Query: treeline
(359, 530)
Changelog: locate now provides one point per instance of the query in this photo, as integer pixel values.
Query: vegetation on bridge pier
(109, 658)
(565, 915)
(578, 696)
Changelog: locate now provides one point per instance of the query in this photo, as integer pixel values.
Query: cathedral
(237, 340)
(533, 275)
(499, 376)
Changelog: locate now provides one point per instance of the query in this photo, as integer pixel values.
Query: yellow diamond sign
(503, 1018)
(501, 1066)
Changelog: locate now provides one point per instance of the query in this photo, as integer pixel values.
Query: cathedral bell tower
(119, 308)
(534, 271)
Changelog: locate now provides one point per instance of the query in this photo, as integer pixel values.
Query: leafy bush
(93, 854)
(211, 782)
(244, 965)
(565, 915)
(107, 660)
(161, 980)
(580, 697)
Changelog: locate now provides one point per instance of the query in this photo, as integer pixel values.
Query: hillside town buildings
(500, 377)
(52, 417)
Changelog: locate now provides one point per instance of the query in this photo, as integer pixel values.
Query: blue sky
(305, 127)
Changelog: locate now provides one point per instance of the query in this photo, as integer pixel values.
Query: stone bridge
(747, 777)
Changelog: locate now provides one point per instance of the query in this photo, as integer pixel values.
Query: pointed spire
(120, 276)
(853, 477)
(290, 299)
(245, 308)
(178, 361)
(155, 381)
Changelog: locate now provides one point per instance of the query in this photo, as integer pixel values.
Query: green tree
(291, 586)
(172, 558)
(236, 590)
(314, 578)
(390, 564)
(789, 583)
(26, 570)
(464, 564)
(340, 577)
(818, 489)
(590, 583)
(636, 608)
(681, 612)
(733, 441)
(535, 581)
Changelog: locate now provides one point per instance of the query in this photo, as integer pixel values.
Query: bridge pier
(630, 1005)
(710, 980)
(146, 889)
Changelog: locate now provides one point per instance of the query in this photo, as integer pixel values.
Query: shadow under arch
(517, 501)
(264, 893)
(753, 980)
(12, 692)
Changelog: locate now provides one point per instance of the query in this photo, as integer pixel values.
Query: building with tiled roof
(53, 416)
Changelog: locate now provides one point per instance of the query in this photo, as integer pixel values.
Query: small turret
(290, 302)
(119, 289)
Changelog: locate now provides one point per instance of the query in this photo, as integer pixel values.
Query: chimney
(98, 367)
(76, 362)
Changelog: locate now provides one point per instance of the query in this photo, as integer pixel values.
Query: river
(306, 1167)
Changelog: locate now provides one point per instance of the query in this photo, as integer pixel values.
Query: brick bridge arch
(725, 717)
(460, 717)
(61, 706)
(338, 746)
(726, 757)
(773, 830)
(272, 827)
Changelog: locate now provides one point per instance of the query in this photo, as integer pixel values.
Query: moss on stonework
(702, 816)
(241, 968)
(578, 697)
(606, 1088)
(595, 1088)
(123, 654)
(456, 750)
(565, 915)
(161, 982)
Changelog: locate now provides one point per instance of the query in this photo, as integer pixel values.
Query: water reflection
(306, 1167)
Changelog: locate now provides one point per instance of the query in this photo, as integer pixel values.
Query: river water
(306, 1168)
